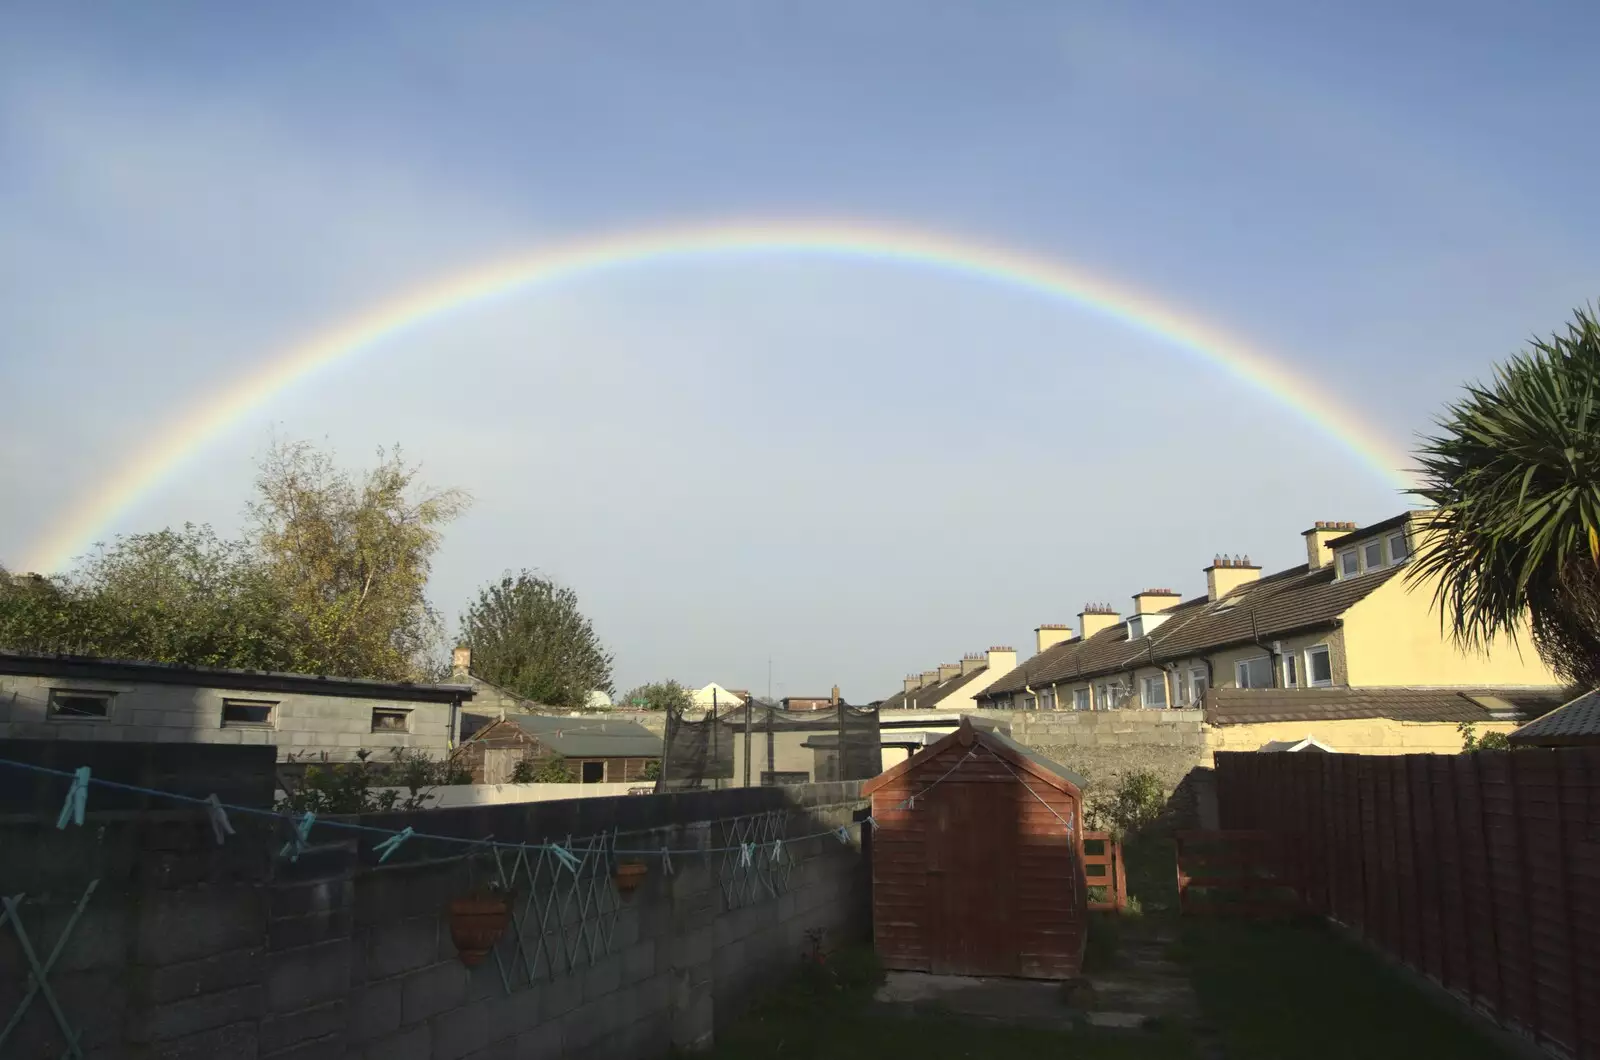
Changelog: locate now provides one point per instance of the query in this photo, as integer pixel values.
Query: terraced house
(1345, 619)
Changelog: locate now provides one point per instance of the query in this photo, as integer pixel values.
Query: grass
(1298, 989)
(829, 1014)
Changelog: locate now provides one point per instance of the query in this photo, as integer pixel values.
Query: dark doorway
(594, 772)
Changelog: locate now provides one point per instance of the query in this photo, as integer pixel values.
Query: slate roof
(1244, 706)
(586, 737)
(1394, 522)
(1578, 722)
(926, 697)
(1289, 601)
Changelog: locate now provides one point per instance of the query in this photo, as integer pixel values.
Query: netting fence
(759, 745)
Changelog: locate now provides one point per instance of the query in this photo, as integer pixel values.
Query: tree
(550, 769)
(174, 596)
(1514, 478)
(351, 557)
(660, 695)
(528, 636)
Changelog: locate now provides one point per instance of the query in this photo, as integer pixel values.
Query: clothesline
(82, 780)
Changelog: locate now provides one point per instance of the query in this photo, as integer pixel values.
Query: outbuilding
(977, 860)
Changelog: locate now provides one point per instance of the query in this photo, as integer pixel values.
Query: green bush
(1490, 741)
(348, 787)
(1135, 804)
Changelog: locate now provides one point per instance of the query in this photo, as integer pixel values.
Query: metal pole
(716, 781)
(749, 708)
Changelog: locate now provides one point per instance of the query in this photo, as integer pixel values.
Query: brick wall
(190, 950)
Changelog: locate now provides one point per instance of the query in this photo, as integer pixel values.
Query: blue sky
(854, 470)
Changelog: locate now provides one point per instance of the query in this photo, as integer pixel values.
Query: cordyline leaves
(1514, 478)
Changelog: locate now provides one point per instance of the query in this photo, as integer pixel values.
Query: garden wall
(177, 947)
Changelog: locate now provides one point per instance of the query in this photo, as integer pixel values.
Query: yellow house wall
(963, 698)
(1393, 637)
(1367, 736)
(1224, 663)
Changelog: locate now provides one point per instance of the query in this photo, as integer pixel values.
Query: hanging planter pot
(476, 923)
(629, 875)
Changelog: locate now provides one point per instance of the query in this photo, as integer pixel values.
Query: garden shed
(977, 865)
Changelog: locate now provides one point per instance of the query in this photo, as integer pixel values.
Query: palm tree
(1514, 478)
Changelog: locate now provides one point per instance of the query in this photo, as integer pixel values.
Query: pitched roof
(1577, 722)
(1391, 523)
(93, 668)
(1289, 601)
(928, 696)
(1003, 747)
(1244, 706)
(584, 737)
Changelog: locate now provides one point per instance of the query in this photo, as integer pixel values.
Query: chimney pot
(461, 661)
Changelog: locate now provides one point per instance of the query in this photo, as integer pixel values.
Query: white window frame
(1394, 555)
(1082, 699)
(1291, 670)
(1317, 649)
(1351, 554)
(1199, 681)
(1160, 680)
(1366, 561)
(1047, 699)
(1241, 669)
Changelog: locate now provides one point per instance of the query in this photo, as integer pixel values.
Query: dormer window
(1374, 554)
(1399, 548)
(1349, 563)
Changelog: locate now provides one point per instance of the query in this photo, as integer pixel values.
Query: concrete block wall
(187, 949)
(337, 726)
(1104, 745)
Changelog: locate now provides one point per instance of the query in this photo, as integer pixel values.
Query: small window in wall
(1399, 548)
(1319, 666)
(1198, 684)
(1372, 555)
(248, 713)
(1349, 564)
(1291, 671)
(1047, 699)
(1080, 699)
(72, 703)
(1155, 692)
(391, 719)
(1031, 703)
(594, 772)
(1254, 673)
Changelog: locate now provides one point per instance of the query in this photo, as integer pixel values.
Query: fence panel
(1479, 871)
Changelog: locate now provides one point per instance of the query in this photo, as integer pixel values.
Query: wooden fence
(1232, 873)
(1480, 871)
(1104, 869)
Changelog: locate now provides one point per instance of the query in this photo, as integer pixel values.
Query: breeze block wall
(181, 949)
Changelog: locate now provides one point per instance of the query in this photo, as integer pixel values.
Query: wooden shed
(977, 864)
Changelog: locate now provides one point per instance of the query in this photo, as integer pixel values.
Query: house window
(391, 719)
(1372, 555)
(1291, 671)
(247, 713)
(1319, 666)
(72, 703)
(1254, 673)
(1198, 684)
(1399, 548)
(1080, 699)
(1031, 703)
(594, 772)
(1155, 692)
(1047, 699)
(1349, 565)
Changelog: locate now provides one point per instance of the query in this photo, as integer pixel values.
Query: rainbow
(92, 517)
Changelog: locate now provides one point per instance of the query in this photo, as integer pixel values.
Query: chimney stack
(929, 677)
(1154, 601)
(913, 682)
(1001, 660)
(1049, 635)
(1318, 554)
(461, 661)
(1096, 617)
(834, 698)
(948, 670)
(971, 663)
(1225, 575)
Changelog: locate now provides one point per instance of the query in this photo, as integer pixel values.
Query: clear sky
(856, 470)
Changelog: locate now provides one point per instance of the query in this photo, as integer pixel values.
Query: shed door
(498, 763)
(971, 846)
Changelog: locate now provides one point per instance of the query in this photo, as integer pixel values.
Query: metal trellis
(563, 912)
(39, 974)
(757, 863)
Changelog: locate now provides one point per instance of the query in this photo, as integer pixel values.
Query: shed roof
(1576, 722)
(1003, 747)
(584, 737)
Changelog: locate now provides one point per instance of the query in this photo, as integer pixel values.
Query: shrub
(1490, 741)
(1135, 804)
